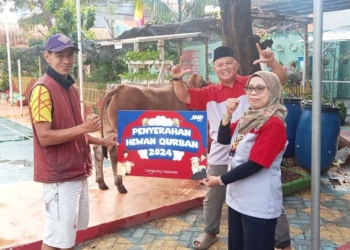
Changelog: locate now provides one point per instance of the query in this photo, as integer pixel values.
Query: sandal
(205, 241)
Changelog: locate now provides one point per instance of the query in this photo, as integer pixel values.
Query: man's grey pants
(212, 206)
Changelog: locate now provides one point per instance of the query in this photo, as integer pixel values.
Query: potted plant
(342, 107)
(279, 47)
(344, 59)
(147, 57)
(325, 60)
(4, 85)
(293, 63)
(140, 78)
(301, 50)
(293, 47)
(294, 75)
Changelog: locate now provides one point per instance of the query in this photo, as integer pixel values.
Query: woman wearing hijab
(254, 188)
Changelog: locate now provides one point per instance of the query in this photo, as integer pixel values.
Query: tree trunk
(47, 15)
(237, 33)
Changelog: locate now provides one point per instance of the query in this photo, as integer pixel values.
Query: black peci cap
(223, 51)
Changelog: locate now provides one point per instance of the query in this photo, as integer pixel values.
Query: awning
(340, 34)
(299, 7)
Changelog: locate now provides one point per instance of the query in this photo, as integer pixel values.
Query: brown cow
(131, 97)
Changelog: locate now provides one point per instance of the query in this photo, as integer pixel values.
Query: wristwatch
(176, 79)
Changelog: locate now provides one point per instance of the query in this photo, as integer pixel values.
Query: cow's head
(197, 81)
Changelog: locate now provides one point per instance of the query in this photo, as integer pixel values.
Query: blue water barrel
(330, 129)
(292, 120)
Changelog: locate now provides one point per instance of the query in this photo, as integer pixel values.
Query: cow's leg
(99, 167)
(118, 179)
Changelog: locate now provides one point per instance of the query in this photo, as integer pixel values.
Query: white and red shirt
(259, 195)
(213, 100)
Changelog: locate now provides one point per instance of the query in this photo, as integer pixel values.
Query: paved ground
(178, 231)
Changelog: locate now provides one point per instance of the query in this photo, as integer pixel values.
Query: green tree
(110, 16)
(107, 71)
(46, 10)
(237, 29)
(66, 19)
(185, 11)
(161, 11)
(44, 18)
(29, 64)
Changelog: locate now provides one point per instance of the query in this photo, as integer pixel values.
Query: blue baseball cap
(58, 43)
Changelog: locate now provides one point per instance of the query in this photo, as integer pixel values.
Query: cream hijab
(256, 118)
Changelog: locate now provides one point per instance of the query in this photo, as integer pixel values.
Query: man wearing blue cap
(62, 158)
(213, 99)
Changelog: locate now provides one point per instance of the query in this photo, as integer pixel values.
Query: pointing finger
(258, 47)
(187, 71)
(256, 62)
(180, 63)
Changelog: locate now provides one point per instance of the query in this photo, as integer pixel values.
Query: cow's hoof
(103, 186)
(122, 190)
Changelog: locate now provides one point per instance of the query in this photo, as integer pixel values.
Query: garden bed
(294, 181)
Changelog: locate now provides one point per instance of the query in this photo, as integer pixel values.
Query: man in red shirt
(213, 100)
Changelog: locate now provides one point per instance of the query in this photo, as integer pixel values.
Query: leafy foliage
(107, 72)
(65, 16)
(294, 75)
(141, 76)
(44, 18)
(29, 65)
(33, 42)
(345, 56)
(137, 77)
(28, 24)
(145, 55)
(342, 107)
(161, 9)
(110, 16)
(4, 82)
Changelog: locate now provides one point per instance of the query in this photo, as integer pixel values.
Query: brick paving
(178, 231)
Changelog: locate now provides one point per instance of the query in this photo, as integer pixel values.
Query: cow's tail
(104, 105)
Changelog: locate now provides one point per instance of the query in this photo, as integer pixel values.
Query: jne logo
(198, 118)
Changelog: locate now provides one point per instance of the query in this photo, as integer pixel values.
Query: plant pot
(279, 50)
(343, 61)
(294, 48)
(325, 61)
